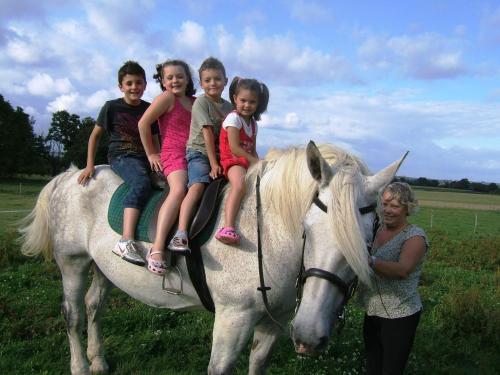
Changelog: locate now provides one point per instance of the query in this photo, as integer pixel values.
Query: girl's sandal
(228, 236)
(158, 267)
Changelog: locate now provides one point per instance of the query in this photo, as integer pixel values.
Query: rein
(347, 289)
(262, 288)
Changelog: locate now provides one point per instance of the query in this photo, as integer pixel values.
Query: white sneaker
(179, 245)
(126, 249)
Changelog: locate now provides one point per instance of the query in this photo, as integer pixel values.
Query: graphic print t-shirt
(121, 121)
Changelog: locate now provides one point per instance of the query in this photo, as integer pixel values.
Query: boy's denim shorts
(135, 172)
(198, 167)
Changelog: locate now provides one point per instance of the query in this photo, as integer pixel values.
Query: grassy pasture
(459, 331)
(490, 201)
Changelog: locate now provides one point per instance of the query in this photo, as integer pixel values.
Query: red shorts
(228, 163)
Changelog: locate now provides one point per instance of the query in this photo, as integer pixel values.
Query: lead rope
(262, 288)
(376, 227)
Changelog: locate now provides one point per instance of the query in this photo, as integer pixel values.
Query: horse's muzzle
(314, 349)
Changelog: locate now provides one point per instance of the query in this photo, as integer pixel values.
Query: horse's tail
(35, 228)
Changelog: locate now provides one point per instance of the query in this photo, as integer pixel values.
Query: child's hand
(155, 162)
(86, 175)
(253, 160)
(216, 171)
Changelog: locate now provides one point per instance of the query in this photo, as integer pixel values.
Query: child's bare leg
(236, 177)
(170, 208)
(188, 205)
(130, 218)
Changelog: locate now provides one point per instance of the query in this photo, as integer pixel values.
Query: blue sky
(375, 77)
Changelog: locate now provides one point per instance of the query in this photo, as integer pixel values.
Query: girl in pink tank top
(172, 110)
(237, 146)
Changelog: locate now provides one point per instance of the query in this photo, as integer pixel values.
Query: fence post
(432, 217)
(475, 223)
(20, 187)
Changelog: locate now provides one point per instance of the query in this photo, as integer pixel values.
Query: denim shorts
(134, 171)
(198, 167)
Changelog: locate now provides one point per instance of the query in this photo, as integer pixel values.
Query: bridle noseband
(347, 288)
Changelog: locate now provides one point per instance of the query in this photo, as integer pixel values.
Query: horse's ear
(319, 168)
(383, 178)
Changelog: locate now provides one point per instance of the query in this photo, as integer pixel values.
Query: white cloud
(97, 99)
(43, 84)
(68, 102)
(191, 37)
(22, 51)
(426, 56)
(278, 58)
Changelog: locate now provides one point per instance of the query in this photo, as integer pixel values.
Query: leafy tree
(493, 188)
(77, 153)
(19, 145)
(464, 184)
(422, 181)
(64, 129)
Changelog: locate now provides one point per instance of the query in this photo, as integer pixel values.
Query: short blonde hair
(404, 194)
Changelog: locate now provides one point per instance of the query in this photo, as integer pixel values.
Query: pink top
(174, 131)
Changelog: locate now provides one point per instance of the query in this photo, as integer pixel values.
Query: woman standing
(393, 305)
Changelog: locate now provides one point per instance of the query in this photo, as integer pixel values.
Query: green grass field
(457, 197)
(16, 199)
(459, 331)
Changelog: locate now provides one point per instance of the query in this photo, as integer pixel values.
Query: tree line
(463, 184)
(24, 152)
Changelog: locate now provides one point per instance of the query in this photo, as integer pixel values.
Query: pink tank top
(174, 131)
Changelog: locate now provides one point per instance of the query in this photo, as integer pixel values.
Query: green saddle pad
(115, 212)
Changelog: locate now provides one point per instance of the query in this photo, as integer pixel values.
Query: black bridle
(347, 288)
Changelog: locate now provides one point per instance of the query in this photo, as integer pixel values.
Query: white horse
(338, 230)
(69, 223)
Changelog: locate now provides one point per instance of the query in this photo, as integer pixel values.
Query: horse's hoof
(81, 371)
(99, 366)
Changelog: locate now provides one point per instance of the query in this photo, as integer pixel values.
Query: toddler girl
(237, 146)
(172, 109)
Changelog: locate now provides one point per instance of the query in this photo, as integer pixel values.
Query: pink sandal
(158, 267)
(228, 236)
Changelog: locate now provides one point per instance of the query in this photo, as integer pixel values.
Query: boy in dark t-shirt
(126, 155)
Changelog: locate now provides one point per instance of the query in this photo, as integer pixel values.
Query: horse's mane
(287, 188)
(345, 186)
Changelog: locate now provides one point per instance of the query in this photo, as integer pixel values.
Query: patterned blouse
(394, 298)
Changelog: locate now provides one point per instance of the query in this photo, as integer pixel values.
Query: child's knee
(239, 186)
(177, 192)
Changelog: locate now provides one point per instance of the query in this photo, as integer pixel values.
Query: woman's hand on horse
(155, 163)
(86, 175)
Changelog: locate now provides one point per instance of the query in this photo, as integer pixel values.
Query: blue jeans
(135, 172)
(198, 167)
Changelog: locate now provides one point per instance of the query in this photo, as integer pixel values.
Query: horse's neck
(233, 272)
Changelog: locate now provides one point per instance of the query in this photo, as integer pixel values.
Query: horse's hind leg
(265, 336)
(95, 300)
(74, 272)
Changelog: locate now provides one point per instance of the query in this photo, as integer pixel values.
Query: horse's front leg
(231, 332)
(265, 336)
(95, 300)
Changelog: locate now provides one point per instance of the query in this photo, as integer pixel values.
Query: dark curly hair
(190, 90)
